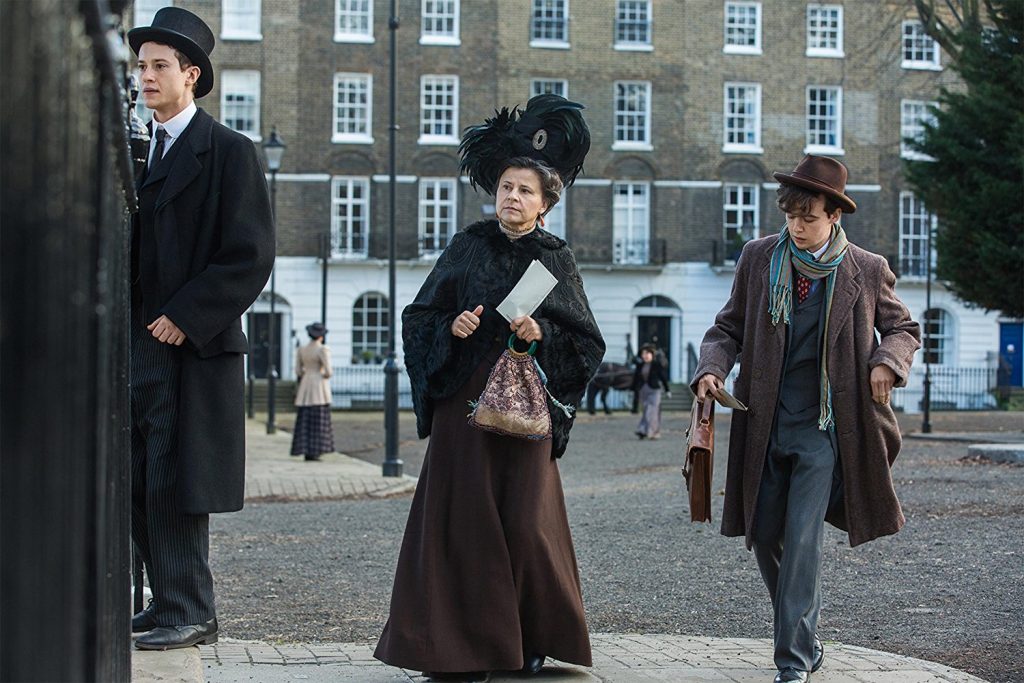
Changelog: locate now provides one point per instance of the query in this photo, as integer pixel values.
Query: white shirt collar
(177, 124)
(818, 253)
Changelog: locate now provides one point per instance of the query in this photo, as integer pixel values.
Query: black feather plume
(551, 129)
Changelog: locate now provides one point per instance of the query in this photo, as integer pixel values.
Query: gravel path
(948, 588)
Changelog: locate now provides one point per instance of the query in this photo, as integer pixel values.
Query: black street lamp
(926, 423)
(273, 148)
(392, 466)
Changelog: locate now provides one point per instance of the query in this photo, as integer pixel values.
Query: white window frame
(381, 330)
(252, 31)
(554, 221)
(430, 38)
(345, 79)
(634, 45)
(943, 339)
(424, 221)
(347, 36)
(814, 147)
(742, 147)
(537, 86)
(733, 49)
(631, 240)
(908, 41)
(913, 237)
(815, 50)
(644, 144)
(342, 234)
(740, 208)
(229, 80)
(145, 10)
(451, 138)
(550, 43)
(912, 126)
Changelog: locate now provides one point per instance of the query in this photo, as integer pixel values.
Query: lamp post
(325, 254)
(273, 148)
(926, 424)
(392, 466)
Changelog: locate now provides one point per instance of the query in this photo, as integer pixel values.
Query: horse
(609, 376)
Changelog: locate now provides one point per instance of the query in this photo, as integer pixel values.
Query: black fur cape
(481, 266)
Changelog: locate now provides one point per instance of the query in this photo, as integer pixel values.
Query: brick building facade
(692, 104)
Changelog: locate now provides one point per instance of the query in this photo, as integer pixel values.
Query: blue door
(1011, 350)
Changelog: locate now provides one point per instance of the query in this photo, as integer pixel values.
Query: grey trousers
(789, 528)
(175, 547)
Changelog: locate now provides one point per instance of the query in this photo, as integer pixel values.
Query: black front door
(657, 330)
(259, 344)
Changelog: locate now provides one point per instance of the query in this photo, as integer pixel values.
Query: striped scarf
(787, 256)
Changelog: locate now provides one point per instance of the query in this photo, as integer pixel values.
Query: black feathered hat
(183, 31)
(551, 129)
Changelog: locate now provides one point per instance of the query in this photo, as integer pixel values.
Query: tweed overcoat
(313, 368)
(481, 266)
(214, 236)
(867, 434)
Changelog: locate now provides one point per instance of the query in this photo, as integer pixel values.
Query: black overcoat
(214, 235)
(481, 266)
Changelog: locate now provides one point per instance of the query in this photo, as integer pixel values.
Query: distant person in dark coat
(649, 379)
(202, 250)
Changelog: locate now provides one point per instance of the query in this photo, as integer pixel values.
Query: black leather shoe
(819, 655)
(174, 637)
(144, 621)
(532, 664)
(791, 675)
(460, 676)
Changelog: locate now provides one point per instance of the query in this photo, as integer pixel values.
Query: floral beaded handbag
(514, 401)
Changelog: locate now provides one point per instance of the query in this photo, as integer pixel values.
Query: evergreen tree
(975, 180)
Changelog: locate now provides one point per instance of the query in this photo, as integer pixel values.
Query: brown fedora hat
(820, 174)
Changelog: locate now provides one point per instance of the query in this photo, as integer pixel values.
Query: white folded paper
(528, 294)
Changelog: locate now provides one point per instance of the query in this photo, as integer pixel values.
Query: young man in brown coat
(820, 436)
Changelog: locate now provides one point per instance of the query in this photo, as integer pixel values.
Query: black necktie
(158, 154)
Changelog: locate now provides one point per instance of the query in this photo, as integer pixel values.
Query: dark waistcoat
(801, 368)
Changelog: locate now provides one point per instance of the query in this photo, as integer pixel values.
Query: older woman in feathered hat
(487, 577)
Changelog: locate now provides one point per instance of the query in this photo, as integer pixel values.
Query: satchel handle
(512, 347)
(706, 407)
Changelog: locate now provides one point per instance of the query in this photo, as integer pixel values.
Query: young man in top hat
(820, 436)
(202, 250)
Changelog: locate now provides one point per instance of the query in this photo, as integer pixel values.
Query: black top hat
(820, 174)
(316, 330)
(551, 129)
(183, 31)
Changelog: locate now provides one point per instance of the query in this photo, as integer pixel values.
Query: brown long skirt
(487, 570)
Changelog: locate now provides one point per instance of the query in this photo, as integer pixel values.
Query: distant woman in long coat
(487, 577)
(313, 433)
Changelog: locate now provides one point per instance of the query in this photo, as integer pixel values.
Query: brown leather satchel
(700, 456)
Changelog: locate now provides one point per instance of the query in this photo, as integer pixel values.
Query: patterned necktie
(158, 153)
(803, 287)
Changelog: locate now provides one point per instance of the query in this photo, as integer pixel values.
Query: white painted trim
(688, 183)
(849, 188)
(550, 44)
(384, 178)
(593, 182)
(633, 47)
(302, 177)
(443, 41)
(632, 147)
(825, 150)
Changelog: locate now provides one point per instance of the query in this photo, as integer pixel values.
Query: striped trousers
(175, 547)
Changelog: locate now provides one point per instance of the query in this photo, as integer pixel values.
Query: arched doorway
(257, 322)
(657, 319)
